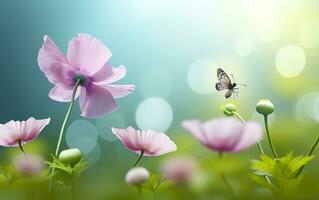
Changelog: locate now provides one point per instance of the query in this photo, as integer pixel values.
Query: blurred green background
(171, 50)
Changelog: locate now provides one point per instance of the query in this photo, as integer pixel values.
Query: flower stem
(21, 148)
(66, 118)
(261, 151)
(139, 158)
(224, 177)
(258, 144)
(313, 147)
(268, 136)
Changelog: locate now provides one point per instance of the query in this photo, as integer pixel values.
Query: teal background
(167, 36)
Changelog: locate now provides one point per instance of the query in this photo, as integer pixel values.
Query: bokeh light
(309, 34)
(306, 112)
(200, 76)
(93, 156)
(83, 135)
(244, 47)
(154, 113)
(290, 60)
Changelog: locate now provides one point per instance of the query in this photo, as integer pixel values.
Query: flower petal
(153, 143)
(156, 144)
(116, 74)
(128, 137)
(103, 74)
(252, 133)
(6, 139)
(63, 94)
(223, 134)
(33, 128)
(96, 101)
(87, 53)
(23, 131)
(194, 127)
(49, 54)
(61, 74)
(119, 91)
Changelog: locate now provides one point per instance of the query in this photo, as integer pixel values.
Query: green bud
(229, 109)
(70, 156)
(265, 107)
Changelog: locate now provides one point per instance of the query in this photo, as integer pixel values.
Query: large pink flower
(14, 132)
(86, 61)
(224, 134)
(151, 142)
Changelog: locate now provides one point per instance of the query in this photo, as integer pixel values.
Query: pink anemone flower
(224, 134)
(16, 133)
(148, 141)
(86, 65)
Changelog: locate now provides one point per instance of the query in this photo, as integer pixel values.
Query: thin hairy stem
(21, 148)
(139, 158)
(65, 121)
(312, 149)
(269, 138)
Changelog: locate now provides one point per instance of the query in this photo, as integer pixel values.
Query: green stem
(66, 118)
(313, 147)
(269, 138)
(21, 148)
(224, 177)
(139, 158)
(239, 117)
(261, 151)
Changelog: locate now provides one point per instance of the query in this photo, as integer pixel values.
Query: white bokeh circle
(306, 109)
(83, 135)
(154, 113)
(200, 76)
(290, 61)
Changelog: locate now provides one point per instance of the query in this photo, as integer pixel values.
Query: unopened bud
(137, 176)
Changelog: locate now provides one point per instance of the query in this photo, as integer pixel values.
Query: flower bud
(265, 107)
(28, 165)
(70, 156)
(179, 169)
(229, 109)
(137, 176)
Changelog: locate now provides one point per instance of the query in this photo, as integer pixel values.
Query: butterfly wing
(228, 94)
(221, 86)
(224, 80)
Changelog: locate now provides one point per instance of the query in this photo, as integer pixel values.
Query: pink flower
(180, 169)
(86, 61)
(14, 132)
(224, 134)
(28, 165)
(151, 142)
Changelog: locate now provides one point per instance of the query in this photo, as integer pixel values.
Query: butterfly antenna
(233, 78)
(242, 84)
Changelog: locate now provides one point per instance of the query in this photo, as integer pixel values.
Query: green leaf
(281, 172)
(157, 183)
(76, 170)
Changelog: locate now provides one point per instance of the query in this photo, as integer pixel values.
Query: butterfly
(226, 84)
